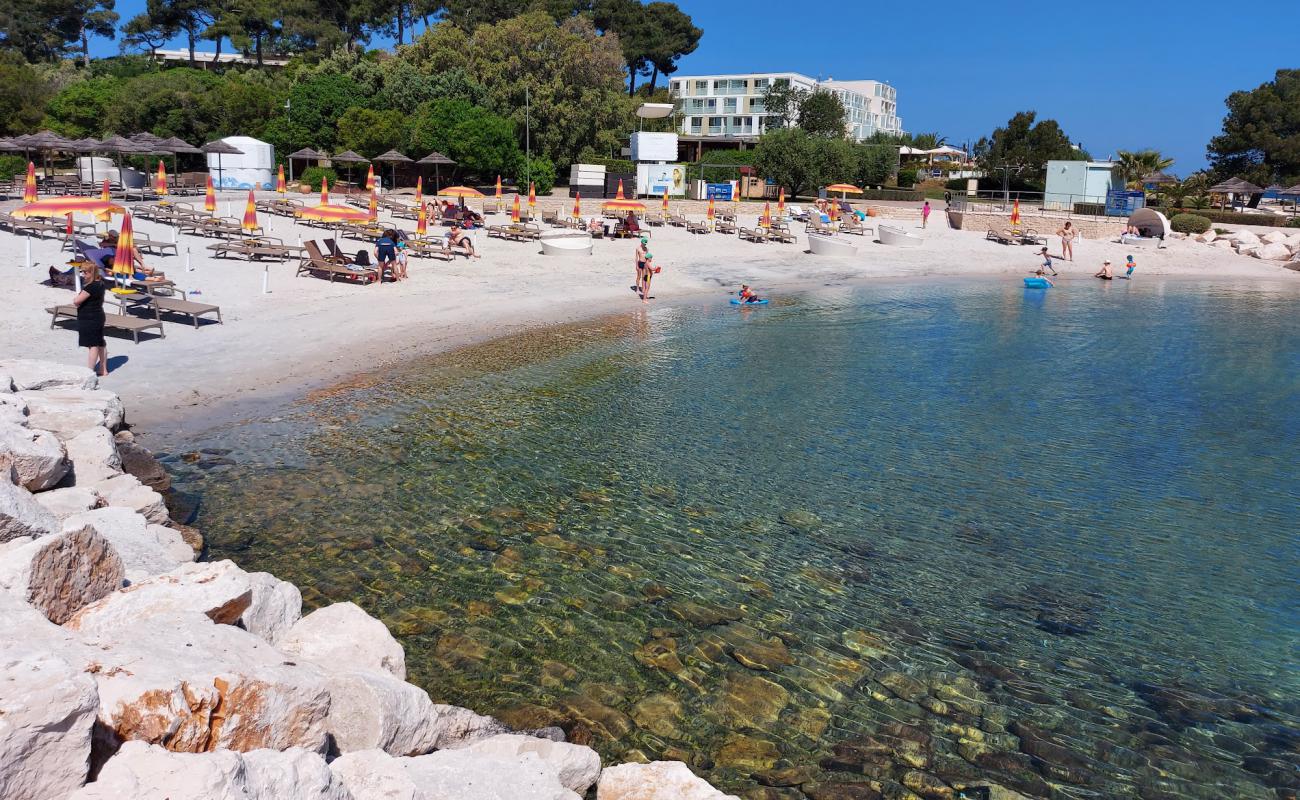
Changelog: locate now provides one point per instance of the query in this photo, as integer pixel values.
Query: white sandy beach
(307, 332)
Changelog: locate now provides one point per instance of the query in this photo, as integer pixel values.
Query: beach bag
(363, 258)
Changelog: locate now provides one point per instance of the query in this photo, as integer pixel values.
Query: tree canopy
(1026, 145)
(1261, 133)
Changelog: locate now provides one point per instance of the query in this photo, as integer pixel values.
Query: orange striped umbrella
(370, 177)
(280, 186)
(61, 206)
(421, 221)
(843, 188)
(1015, 213)
(329, 213)
(620, 196)
(766, 220)
(209, 197)
(325, 191)
(459, 191)
(419, 191)
(29, 187)
(532, 197)
(780, 202)
(498, 187)
(514, 209)
(624, 204)
(103, 191)
(577, 205)
(249, 222)
(709, 213)
(124, 256)
(373, 210)
(161, 184)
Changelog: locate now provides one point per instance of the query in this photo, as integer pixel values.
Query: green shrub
(619, 166)
(542, 173)
(956, 184)
(1238, 218)
(312, 175)
(907, 177)
(1189, 223)
(1294, 222)
(11, 166)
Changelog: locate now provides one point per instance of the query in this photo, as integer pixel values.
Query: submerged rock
(748, 700)
(800, 520)
(448, 775)
(702, 615)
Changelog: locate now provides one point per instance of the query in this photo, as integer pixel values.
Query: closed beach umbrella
(124, 256)
(780, 202)
(514, 209)
(103, 191)
(67, 227)
(324, 191)
(766, 221)
(419, 191)
(209, 196)
(834, 209)
(1015, 213)
(373, 211)
(709, 213)
(161, 181)
(29, 185)
(577, 205)
(331, 213)
(370, 178)
(421, 221)
(249, 223)
(532, 198)
(665, 203)
(620, 196)
(280, 186)
(498, 195)
(52, 207)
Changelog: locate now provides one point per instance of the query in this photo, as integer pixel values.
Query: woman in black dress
(90, 319)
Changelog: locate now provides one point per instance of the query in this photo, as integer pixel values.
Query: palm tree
(1136, 165)
(928, 141)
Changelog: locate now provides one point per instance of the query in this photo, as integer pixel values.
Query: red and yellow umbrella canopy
(514, 209)
(372, 211)
(280, 186)
(209, 197)
(766, 219)
(249, 223)
(834, 209)
(459, 191)
(160, 185)
(1015, 213)
(780, 202)
(498, 187)
(421, 221)
(325, 191)
(577, 205)
(419, 191)
(620, 196)
(709, 213)
(624, 204)
(328, 213)
(843, 188)
(370, 177)
(532, 196)
(103, 191)
(29, 185)
(63, 206)
(124, 255)
(665, 200)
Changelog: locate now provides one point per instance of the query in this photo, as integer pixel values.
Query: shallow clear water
(918, 535)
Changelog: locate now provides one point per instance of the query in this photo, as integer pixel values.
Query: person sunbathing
(457, 238)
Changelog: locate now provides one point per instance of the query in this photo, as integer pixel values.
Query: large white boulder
(1273, 237)
(459, 727)
(22, 516)
(191, 685)
(1273, 252)
(34, 459)
(145, 549)
(126, 491)
(219, 590)
(576, 766)
(275, 607)
(69, 500)
(1207, 237)
(67, 411)
(141, 770)
(30, 374)
(448, 775)
(13, 409)
(343, 638)
(94, 456)
(60, 574)
(47, 712)
(373, 710)
(1243, 238)
(1293, 242)
(658, 780)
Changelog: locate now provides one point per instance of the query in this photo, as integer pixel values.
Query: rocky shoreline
(131, 669)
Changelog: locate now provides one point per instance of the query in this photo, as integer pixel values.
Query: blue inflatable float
(738, 302)
(1037, 283)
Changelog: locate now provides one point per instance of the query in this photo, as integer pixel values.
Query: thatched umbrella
(307, 154)
(8, 146)
(220, 147)
(393, 157)
(1234, 186)
(437, 160)
(1158, 178)
(46, 142)
(348, 157)
(176, 146)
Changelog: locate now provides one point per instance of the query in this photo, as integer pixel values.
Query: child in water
(1132, 265)
(747, 295)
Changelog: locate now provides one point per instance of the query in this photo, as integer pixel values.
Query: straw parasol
(1158, 178)
(307, 154)
(348, 157)
(220, 147)
(393, 157)
(8, 146)
(176, 146)
(438, 160)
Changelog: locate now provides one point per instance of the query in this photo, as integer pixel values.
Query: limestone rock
(658, 780)
(94, 457)
(1247, 249)
(343, 638)
(60, 574)
(275, 607)
(21, 515)
(576, 766)
(142, 770)
(1293, 242)
(448, 775)
(32, 375)
(1222, 244)
(1294, 265)
(13, 409)
(6, 382)
(1273, 237)
(37, 459)
(145, 549)
(73, 410)
(1207, 237)
(190, 685)
(65, 502)
(459, 727)
(138, 461)
(126, 491)
(1275, 251)
(219, 590)
(373, 710)
(1243, 238)
(47, 712)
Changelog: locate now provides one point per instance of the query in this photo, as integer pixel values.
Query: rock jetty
(129, 668)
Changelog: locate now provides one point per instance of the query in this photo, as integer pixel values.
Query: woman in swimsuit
(1067, 233)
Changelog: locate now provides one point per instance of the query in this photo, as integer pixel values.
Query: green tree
(371, 132)
(480, 142)
(22, 103)
(927, 141)
(822, 114)
(143, 31)
(539, 170)
(469, 14)
(81, 108)
(405, 87)
(97, 19)
(783, 101)
(175, 102)
(316, 104)
(876, 163)
(671, 35)
(1261, 133)
(1027, 146)
(786, 158)
(45, 30)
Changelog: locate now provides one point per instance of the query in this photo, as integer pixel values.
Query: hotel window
(696, 124)
(760, 85)
(677, 88)
(729, 105)
(715, 124)
(701, 87)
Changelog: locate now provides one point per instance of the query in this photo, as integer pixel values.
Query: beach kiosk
(252, 168)
(655, 154)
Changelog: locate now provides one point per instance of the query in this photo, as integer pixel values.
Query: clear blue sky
(1115, 75)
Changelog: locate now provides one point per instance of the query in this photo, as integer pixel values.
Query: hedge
(1234, 217)
(1189, 223)
(906, 195)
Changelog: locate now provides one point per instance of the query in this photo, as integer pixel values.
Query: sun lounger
(334, 253)
(781, 233)
(255, 249)
(697, 227)
(756, 235)
(431, 248)
(520, 232)
(677, 220)
(154, 246)
(314, 262)
(36, 227)
(725, 226)
(120, 322)
(172, 305)
(655, 218)
(1004, 237)
(1032, 237)
(816, 225)
(851, 224)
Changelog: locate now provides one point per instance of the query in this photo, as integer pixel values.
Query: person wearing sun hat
(1105, 273)
(649, 270)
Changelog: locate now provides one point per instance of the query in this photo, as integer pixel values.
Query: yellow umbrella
(324, 191)
(373, 210)
(514, 209)
(843, 188)
(209, 197)
(780, 202)
(532, 198)
(103, 191)
(328, 213)
(124, 256)
(459, 191)
(1015, 214)
(421, 221)
(61, 206)
(419, 191)
(709, 214)
(161, 182)
(624, 204)
(498, 187)
(577, 205)
(370, 177)
(249, 222)
(280, 186)
(766, 220)
(29, 186)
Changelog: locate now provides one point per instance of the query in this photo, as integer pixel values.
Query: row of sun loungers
(1008, 236)
(142, 301)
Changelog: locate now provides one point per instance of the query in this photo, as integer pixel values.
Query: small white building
(252, 168)
(1072, 182)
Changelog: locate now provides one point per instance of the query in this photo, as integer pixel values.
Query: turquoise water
(906, 535)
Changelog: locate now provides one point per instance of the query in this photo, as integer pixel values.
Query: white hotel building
(732, 105)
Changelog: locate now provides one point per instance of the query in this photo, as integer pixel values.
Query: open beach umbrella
(52, 207)
(209, 196)
(393, 157)
(766, 219)
(324, 191)
(624, 204)
(124, 256)
(843, 189)
(370, 178)
(372, 211)
(421, 221)
(249, 223)
(459, 191)
(160, 183)
(1015, 213)
(29, 185)
(577, 205)
(514, 209)
(280, 186)
(330, 213)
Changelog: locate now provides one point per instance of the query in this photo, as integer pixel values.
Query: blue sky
(1115, 75)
